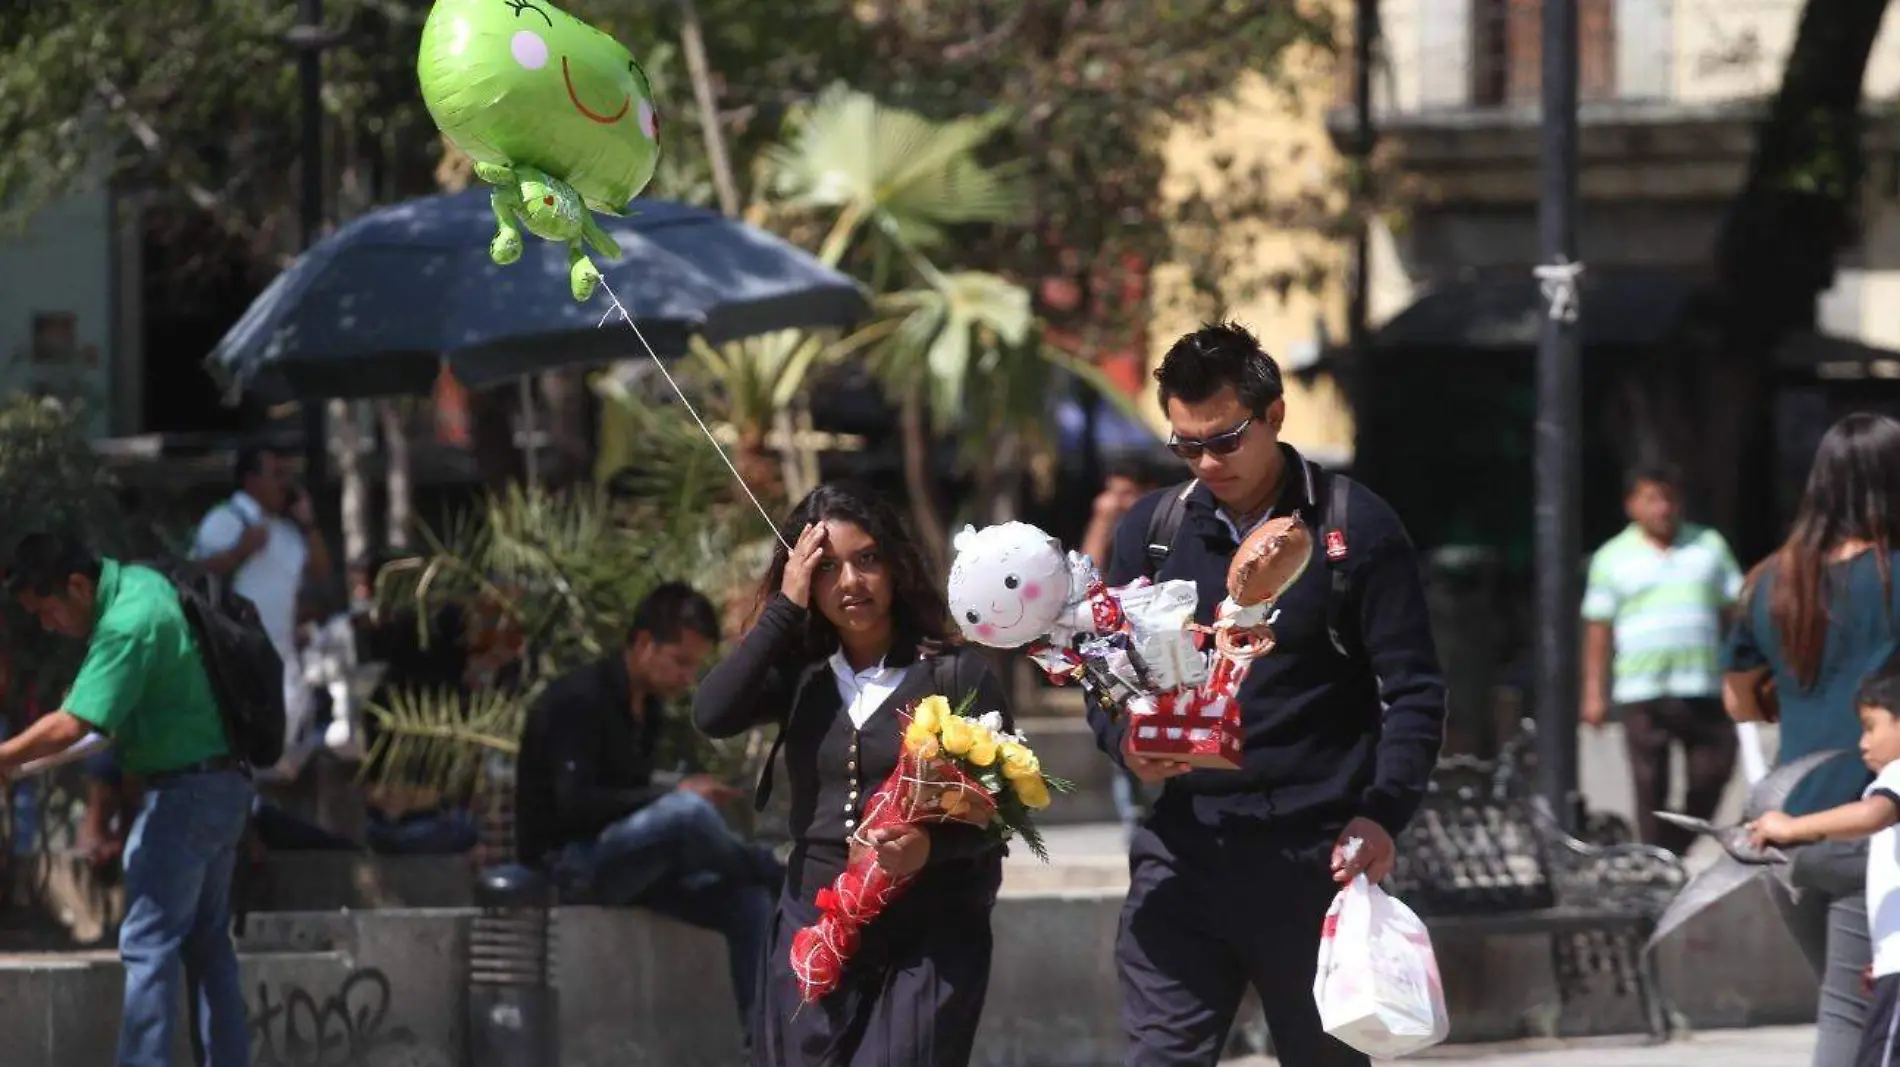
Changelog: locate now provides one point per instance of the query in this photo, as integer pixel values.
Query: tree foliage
(197, 99)
(548, 582)
(51, 480)
(1090, 89)
(1707, 402)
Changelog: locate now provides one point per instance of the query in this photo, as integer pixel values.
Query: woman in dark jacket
(1817, 617)
(852, 633)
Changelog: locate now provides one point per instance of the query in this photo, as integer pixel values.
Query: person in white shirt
(1875, 815)
(265, 535)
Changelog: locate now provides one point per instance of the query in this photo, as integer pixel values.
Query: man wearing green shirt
(143, 684)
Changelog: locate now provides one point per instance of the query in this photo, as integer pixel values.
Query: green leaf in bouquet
(1032, 837)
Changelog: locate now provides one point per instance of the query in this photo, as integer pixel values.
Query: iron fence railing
(48, 889)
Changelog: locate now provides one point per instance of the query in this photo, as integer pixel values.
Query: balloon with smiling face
(1008, 585)
(557, 116)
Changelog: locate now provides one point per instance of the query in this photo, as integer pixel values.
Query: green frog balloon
(557, 116)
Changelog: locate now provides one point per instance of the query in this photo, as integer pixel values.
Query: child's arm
(1862, 818)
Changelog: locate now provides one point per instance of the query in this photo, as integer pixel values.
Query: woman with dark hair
(853, 631)
(1817, 617)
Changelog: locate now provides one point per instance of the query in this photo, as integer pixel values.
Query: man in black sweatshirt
(591, 809)
(1234, 871)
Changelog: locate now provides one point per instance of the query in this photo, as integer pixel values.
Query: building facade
(69, 309)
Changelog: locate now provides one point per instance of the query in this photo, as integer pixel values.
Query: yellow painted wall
(1264, 125)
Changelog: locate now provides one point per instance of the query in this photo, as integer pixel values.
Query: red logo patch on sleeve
(1335, 545)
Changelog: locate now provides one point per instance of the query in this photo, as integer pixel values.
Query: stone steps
(1067, 749)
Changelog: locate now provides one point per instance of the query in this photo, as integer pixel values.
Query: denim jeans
(1832, 934)
(442, 833)
(176, 937)
(677, 857)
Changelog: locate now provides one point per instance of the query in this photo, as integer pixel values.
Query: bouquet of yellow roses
(954, 768)
(1000, 762)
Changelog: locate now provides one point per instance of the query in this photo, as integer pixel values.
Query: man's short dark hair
(1881, 689)
(250, 460)
(43, 562)
(1217, 355)
(670, 611)
(1662, 474)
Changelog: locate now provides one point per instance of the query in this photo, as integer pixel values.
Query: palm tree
(958, 349)
(553, 579)
(894, 183)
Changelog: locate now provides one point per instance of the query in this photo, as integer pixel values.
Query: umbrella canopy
(376, 307)
(1728, 874)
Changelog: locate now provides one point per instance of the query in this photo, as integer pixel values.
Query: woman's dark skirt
(911, 997)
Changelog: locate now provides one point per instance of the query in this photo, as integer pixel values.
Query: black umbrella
(375, 308)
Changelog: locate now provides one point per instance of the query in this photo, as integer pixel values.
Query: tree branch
(148, 138)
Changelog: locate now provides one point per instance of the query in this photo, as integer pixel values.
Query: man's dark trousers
(1709, 747)
(1208, 913)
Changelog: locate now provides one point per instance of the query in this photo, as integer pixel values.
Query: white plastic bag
(1378, 988)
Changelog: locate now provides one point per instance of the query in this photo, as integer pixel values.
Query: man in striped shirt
(1658, 594)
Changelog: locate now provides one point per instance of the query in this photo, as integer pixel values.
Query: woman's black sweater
(832, 767)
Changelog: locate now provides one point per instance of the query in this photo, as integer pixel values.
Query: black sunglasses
(1225, 443)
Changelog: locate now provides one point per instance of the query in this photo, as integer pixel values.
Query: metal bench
(1485, 855)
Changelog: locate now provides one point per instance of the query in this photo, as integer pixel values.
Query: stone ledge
(319, 881)
(638, 989)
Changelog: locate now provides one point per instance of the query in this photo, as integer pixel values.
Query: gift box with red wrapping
(1205, 734)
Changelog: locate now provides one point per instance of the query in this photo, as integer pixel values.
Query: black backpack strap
(762, 792)
(1332, 534)
(1165, 523)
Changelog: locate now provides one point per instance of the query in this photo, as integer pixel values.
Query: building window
(55, 337)
(1507, 49)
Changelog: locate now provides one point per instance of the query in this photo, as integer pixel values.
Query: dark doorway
(198, 280)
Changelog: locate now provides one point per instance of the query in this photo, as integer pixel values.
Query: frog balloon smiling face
(1008, 584)
(522, 83)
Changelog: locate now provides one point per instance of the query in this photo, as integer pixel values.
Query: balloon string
(677, 391)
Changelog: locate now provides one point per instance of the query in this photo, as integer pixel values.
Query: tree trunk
(790, 477)
(1000, 496)
(1774, 257)
(398, 476)
(693, 43)
(346, 451)
(758, 467)
(570, 430)
(492, 437)
(919, 483)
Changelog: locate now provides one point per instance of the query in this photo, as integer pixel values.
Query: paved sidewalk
(1776, 1046)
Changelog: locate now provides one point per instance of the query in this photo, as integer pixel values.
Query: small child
(1874, 815)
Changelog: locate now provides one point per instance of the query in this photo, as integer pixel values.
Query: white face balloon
(1008, 584)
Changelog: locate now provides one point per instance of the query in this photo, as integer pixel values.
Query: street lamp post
(309, 41)
(1559, 417)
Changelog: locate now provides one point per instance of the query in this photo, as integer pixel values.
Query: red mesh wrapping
(918, 792)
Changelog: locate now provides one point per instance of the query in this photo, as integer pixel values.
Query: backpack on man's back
(244, 667)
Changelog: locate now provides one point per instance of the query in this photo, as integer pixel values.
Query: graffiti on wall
(293, 1027)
